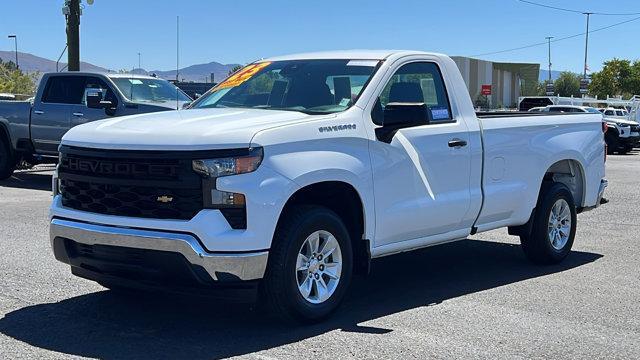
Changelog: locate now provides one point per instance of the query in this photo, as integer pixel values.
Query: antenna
(177, 57)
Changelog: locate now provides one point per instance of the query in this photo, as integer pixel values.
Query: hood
(620, 120)
(196, 129)
(162, 105)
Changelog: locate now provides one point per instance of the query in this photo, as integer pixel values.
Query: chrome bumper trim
(603, 185)
(245, 266)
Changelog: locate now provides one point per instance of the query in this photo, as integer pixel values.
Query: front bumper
(631, 140)
(220, 267)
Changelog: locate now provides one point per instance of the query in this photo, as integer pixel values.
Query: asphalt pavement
(477, 298)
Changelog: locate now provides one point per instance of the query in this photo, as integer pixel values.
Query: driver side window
(418, 82)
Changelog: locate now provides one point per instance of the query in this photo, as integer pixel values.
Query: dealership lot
(475, 298)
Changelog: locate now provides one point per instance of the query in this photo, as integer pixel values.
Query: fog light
(226, 198)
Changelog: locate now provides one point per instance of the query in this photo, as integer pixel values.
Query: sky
(114, 31)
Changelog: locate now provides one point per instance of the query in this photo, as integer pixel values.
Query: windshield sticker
(135, 81)
(370, 63)
(344, 102)
(439, 113)
(242, 75)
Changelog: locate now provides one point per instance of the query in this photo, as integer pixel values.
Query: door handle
(456, 143)
(78, 114)
(38, 112)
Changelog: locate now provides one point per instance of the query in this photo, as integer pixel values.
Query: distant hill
(32, 63)
(544, 75)
(199, 72)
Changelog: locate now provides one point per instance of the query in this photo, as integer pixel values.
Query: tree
(14, 81)
(540, 89)
(617, 78)
(567, 84)
(234, 69)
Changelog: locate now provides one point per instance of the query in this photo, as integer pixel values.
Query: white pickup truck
(296, 171)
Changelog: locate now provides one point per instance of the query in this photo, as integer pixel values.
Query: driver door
(421, 175)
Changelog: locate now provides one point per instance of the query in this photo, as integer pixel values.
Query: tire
(540, 246)
(7, 162)
(612, 142)
(284, 281)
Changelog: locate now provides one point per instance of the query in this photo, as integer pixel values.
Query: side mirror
(108, 107)
(396, 116)
(401, 115)
(94, 98)
(186, 104)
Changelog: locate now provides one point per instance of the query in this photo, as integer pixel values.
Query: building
(506, 81)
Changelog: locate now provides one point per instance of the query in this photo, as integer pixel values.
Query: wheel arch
(347, 202)
(571, 173)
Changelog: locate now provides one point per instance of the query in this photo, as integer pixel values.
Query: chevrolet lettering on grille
(106, 167)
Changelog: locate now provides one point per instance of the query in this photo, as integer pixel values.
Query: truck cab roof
(100, 73)
(352, 54)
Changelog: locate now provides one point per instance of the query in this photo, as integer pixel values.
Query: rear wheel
(554, 226)
(7, 161)
(310, 264)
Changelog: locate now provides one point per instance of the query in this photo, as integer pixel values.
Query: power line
(577, 11)
(558, 39)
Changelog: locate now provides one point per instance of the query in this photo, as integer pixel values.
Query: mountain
(31, 63)
(199, 72)
(544, 75)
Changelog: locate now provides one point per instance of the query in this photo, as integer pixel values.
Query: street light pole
(139, 67)
(15, 41)
(549, 41)
(586, 45)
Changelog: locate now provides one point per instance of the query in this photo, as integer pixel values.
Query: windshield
(310, 86)
(149, 90)
(592, 110)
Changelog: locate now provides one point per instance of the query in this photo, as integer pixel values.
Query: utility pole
(586, 45)
(15, 41)
(549, 41)
(72, 12)
(139, 67)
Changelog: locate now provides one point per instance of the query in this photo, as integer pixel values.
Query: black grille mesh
(126, 200)
(138, 184)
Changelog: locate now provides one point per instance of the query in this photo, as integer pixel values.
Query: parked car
(31, 130)
(296, 171)
(613, 112)
(537, 109)
(622, 135)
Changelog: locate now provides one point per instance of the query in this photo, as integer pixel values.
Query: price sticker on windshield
(242, 75)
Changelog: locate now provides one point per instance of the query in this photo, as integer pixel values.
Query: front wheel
(7, 162)
(310, 264)
(554, 226)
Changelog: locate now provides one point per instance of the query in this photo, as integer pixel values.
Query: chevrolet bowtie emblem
(165, 199)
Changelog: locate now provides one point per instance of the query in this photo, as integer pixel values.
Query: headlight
(623, 125)
(214, 168)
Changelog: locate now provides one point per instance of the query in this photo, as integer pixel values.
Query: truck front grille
(147, 184)
(127, 200)
(635, 128)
